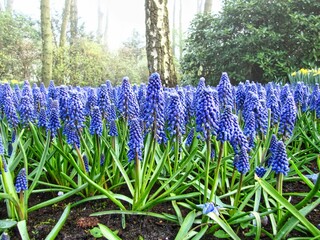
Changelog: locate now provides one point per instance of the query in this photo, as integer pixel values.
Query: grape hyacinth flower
(201, 86)
(128, 104)
(135, 142)
(260, 171)
(314, 97)
(63, 103)
(226, 129)
(298, 94)
(1, 147)
(38, 101)
(72, 135)
(113, 131)
(250, 130)
(250, 104)
(175, 116)
(154, 108)
(54, 121)
(75, 110)
(241, 161)
(273, 105)
(103, 100)
(91, 101)
(225, 91)
(52, 91)
(261, 118)
(86, 163)
(10, 112)
(288, 117)
(96, 122)
(190, 137)
(21, 181)
(42, 118)
(284, 93)
(240, 96)
(238, 140)
(26, 110)
(207, 115)
(272, 149)
(26, 90)
(280, 162)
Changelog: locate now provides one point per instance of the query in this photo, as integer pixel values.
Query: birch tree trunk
(46, 34)
(159, 52)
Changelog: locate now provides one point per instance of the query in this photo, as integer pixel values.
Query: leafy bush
(253, 39)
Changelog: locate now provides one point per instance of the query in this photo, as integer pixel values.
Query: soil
(79, 222)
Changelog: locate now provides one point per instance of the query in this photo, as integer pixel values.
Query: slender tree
(9, 4)
(208, 6)
(159, 51)
(100, 19)
(199, 6)
(46, 34)
(65, 19)
(73, 20)
(106, 26)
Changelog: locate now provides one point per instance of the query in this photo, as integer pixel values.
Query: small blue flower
(288, 117)
(26, 110)
(75, 110)
(21, 181)
(103, 100)
(154, 108)
(52, 91)
(102, 159)
(175, 115)
(273, 105)
(280, 162)
(42, 118)
(240, 96)
(225, 91)
(1, 147)
(226, 128)
(91, 101)
(241, 161)
(238, 140)
(272, 149)
(314, 97)
(260, 171)
(26, 90)
(72, 135)
(54, 121)
(207, 115)
(63, 103)
(10, 112)
(113, 131)
(96, 122)
(209, 207)
(190, 137)
(86, 163)
(135, 142)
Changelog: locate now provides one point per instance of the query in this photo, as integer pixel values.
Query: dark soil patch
(41, 222)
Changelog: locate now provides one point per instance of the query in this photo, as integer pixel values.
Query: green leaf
(7, 223)
(54, 232)
(186, 225)
(108, 233)
(221, 234)
(225, 226)
(284, 202)
(96, 232)
(22, 227)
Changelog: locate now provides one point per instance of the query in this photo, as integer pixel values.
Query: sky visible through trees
(125, 16)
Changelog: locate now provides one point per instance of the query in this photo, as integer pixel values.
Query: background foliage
(253, 39)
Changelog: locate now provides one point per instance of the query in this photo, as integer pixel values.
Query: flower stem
(216, 172)
(279, 188)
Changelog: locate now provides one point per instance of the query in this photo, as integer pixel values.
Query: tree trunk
(100, 19)
(73, 21)
(159, 52)
(65, 19)
(106, 26)
(173, 31)
(9, 4)
(208, 6)
(199, 6)
(180, 32)
(46, 35)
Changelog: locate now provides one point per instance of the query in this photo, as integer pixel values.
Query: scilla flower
(209, 207)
